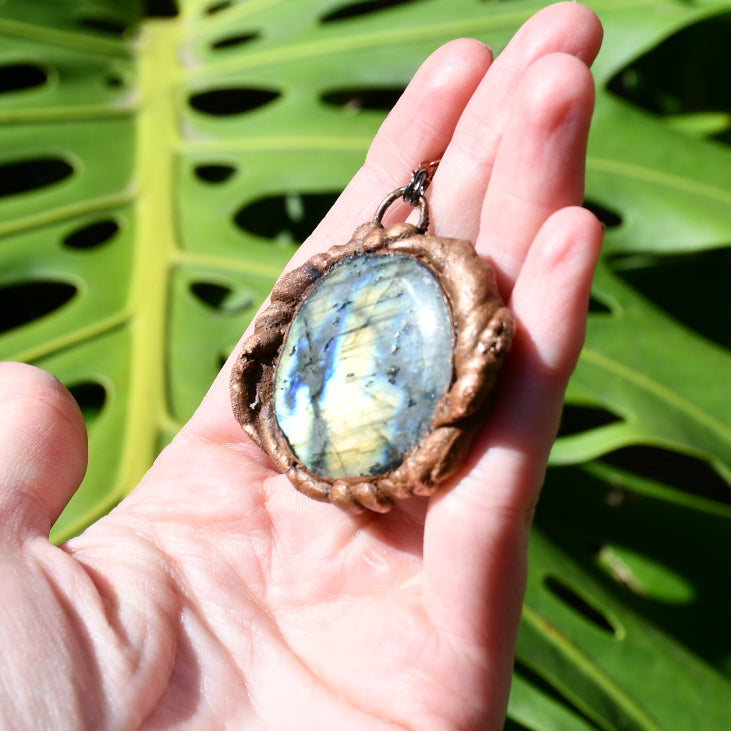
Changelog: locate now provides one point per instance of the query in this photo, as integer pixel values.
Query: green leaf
(668, 201)
(619, 677)
(632, 365)
(157, 173)
(607, 591)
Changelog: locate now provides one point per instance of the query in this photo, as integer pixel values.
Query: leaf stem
(155, 248)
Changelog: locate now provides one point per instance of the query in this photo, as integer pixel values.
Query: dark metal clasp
(413, 194)
(420, 180)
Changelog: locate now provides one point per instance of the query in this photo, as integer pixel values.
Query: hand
(217, 596)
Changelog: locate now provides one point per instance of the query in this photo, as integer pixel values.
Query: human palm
(215, 595)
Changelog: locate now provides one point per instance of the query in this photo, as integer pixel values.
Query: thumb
(43, 450)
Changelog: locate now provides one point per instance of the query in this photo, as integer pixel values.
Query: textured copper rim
(483, 331)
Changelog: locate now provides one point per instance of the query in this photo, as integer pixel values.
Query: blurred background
(159, 163)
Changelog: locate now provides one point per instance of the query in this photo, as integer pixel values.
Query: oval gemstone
(367, 357)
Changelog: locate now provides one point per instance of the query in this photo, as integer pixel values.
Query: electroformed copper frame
(483, 330)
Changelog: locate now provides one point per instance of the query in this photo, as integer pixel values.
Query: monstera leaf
(610, 583)
(156, 173)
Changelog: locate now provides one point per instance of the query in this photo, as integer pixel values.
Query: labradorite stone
(366, 359)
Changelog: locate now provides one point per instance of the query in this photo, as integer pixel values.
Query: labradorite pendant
(363, 366)
(365, 376)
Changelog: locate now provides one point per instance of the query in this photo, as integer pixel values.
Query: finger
(460, 184)
(539, 167)
(416, 129)
(43, 450)
(476, 533)
(419, 127)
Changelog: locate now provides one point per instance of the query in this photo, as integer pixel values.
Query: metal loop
(423, 224)
(413, 193)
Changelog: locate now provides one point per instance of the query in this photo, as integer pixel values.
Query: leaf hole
(354, 10)
(21, 77)
(239, 39)
(662, 279)
(214, 8)
(587, 610)
(577, 419)
(598, 307)
(288, 218)
(26, 175)
(29, 301)
(92, 235)
(546, 688)
(222, 298)
(108, 26)
(214, 172)
(609, 217)
(115, 81)
(236, 100)
(91, 397)
(536, 680)
(673, 78)
(690, 474)
(511, 725)
(161, 9)
(354, 99)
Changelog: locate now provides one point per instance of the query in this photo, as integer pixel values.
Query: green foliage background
(158, 168)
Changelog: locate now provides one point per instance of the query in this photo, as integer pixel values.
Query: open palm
(216, 596)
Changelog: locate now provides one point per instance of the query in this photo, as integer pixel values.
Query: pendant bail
(414, 194)
(420, 180)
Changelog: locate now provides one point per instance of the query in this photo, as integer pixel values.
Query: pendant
(369, 372)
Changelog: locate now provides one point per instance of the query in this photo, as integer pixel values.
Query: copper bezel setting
(483, 330)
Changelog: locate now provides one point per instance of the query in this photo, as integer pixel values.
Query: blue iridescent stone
(367, 357)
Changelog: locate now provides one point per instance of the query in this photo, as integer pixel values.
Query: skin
(217, 596)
